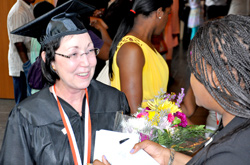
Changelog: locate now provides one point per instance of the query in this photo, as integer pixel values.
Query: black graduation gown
(34, 134)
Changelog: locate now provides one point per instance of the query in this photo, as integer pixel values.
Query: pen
(122, 141)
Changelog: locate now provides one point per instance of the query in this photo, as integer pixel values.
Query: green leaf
(176, 121)
(183, 138)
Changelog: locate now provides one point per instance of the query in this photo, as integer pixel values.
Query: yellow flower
(153, 117)
(159, 104)
(170, 106)
(151, 114)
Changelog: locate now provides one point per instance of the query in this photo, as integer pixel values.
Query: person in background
(219, 60)
(40, 8)
(97, 3)
(216, 8)
(171, 31)
(239, 7)
(57, 125)
(136, 68)
(196, 15)
(19, 48)
(168, 39)
(107, 21)
(113, 14)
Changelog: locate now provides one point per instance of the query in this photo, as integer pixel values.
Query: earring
(159, 17)
(52, 68)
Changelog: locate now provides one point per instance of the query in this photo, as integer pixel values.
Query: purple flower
(167, 97)
(145, 109)
(143, 137)
(172, 96)
(180, 97)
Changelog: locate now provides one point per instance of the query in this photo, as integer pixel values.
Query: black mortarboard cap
(59, 20)
(61, 25)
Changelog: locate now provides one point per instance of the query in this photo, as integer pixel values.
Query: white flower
(134, 125)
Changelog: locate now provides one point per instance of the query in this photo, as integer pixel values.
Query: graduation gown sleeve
(15, 149)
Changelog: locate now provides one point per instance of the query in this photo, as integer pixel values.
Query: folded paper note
(108, 143)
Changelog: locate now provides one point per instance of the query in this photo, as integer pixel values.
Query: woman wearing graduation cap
(57, 125)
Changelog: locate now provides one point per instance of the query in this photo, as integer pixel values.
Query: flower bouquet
(163, 122)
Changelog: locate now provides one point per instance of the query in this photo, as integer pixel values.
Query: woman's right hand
(98, 162)
(156, 151)
(98, 23)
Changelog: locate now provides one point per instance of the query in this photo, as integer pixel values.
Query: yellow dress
(155, 72)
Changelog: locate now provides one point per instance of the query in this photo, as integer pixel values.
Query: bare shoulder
(129, 53)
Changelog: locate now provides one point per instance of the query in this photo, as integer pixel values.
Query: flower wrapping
(163, 122)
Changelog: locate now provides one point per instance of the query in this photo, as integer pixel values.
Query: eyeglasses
(74, 56)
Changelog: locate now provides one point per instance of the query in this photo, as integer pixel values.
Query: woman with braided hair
(220, 63)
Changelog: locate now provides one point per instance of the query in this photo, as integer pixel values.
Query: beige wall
(6, 84)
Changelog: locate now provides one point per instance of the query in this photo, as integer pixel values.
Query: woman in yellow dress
(136, 68)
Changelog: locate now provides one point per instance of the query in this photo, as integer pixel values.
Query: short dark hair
(48, 72)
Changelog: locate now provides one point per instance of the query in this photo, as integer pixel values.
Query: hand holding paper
(108, 143)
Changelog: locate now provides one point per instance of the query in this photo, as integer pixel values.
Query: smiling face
(75, 73)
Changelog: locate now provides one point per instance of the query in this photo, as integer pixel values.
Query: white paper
(107, 143)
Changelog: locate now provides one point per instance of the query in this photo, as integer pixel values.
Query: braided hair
(220, 59)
